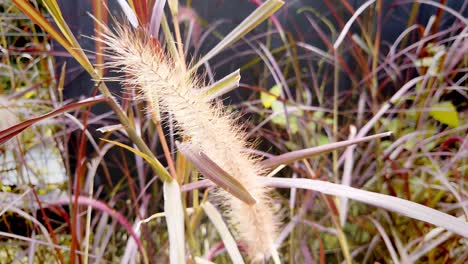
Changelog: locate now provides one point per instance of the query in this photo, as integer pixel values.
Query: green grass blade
(223, 86)
(254, 19)
(155, 164)
(40, 20)
(54, 10)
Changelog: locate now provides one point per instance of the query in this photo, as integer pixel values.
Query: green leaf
(445, 113)
(268, 99)
(279, 117)
(323, 140)
(157, 166)
(225, 85)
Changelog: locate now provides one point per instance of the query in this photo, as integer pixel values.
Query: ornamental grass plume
(164, 81)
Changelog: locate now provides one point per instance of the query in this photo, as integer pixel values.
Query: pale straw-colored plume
(163, 81)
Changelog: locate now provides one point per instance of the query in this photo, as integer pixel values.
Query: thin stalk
(167, 153)
(376, 51)
(336, 222)
(336, 72)
(174, 7)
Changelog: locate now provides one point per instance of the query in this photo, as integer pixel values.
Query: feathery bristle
(161, 79)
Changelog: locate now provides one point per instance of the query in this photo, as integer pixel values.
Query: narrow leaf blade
(223, 86)
(293, 156)
(174, 214)
(391, 203)
(40, 20)
(212, 171)
(157, 166)
(10, 132)
(129, 13)
(229, 242)
(254, 19)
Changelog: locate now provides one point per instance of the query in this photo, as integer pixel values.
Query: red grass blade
(10, 132)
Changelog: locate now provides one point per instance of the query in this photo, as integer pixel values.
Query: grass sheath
(161, 78)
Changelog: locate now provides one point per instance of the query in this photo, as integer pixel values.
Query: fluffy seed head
(164, 82)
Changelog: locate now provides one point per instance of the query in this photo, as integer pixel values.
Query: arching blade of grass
(254, 19)
(293, 156)
(54, 10)
(175, 221)
(391, 203)
(10, 132)
(215, 173)
(229, 242)
(129, 13)
(155, 164)
(350, 22)
(39, 19)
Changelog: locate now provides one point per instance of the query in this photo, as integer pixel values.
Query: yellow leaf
(445, 113)
(268, 99)
(157, 166)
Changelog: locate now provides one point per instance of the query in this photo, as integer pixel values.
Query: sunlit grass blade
(141, 10)
(212, 171)
(254, 19)
(156, 17)
(40, 20)
(129, 13)
(229, 242)
(199, 260)
(54, 10)
(350, 22)
(155, 164)
(223, 86)
(174, 6)
(175, 221)
(10, 132)
(391, 203)
(293, 156)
